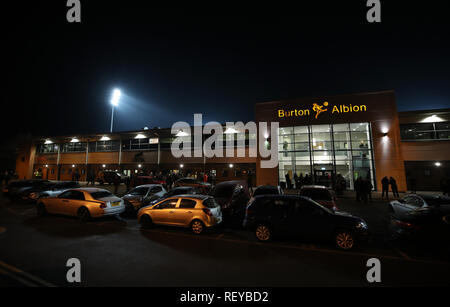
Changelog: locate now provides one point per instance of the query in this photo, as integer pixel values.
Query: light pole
(115, 102)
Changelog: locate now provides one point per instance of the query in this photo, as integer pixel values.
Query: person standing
(367, 187)
(288, 181)
(385, 186)
(358, 188)
(394, 188)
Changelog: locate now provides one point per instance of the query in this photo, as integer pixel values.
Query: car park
(233, 197)
(302, 218)
(320, 194)
(198, 212)
(84, 203)
(142, 195)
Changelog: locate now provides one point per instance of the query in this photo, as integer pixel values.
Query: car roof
(312, 186)
(148, 185)
(231, 182)
(90, 190)
(196, 196)
(285, 196)
(267, 187)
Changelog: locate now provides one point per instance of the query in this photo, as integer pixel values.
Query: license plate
(115, 204)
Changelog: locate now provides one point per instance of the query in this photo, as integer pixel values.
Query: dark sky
(173, 62)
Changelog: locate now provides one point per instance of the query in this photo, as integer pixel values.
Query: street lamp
(115, 102)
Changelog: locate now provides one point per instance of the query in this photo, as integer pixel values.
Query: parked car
(48, 190)
(205, 187)
(17, 190)
(141, 180)
(111, 177)
(195, 211)
(303, 218)
(232, 197)
(85, 203)
(320, 194)
(267, 190)
(142, 195)
(425, 218)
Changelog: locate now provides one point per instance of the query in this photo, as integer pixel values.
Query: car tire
(146, 221)
(263, 233)
(344, 239)
(41, 211)
(197, 227)
(84, 215)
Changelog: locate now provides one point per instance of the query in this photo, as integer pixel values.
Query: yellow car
(85, 203)
(195, 211)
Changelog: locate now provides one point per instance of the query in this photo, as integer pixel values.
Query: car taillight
(207, 211)
(404, 224)
(103, 205)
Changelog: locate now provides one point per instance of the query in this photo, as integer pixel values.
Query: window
(425, 131)
(155, 189)
(74, 147)
(101, 146)
(210, 203)
(168, 204)
(47, 148)
(413, 201)
(72, 194)
(139, 191)
(101, 194)
(187, 203)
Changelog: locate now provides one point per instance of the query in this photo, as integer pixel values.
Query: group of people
(385, 183)
(299, 181)
(363, 189)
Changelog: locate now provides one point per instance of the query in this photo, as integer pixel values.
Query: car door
(70, 202)
(311, 221)
(164, 213)
(185, 211)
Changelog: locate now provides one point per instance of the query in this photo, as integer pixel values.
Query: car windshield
(101, 194)
(322, 207)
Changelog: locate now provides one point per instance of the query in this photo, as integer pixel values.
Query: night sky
(173, 62)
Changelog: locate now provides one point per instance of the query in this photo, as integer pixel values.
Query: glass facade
(425, 131)
(323, 152)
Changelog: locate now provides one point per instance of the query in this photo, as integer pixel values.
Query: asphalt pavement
(117, 252)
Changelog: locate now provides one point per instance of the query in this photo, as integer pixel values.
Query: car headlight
(361, 225)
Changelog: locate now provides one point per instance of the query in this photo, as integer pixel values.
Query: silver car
(143, 195)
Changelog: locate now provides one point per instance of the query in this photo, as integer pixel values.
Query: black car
(303, 218)
(16, 189)
(233, 197)
(267, 190)
(111, 177)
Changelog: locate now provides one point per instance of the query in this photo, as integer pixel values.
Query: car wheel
(41, 211)
(197, 227)
(146, 221)
(263, 233)
(84, 215)
(344, 239)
